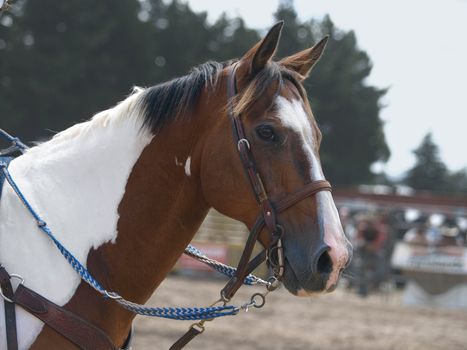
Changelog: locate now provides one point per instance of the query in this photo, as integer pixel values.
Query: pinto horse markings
(114, 195)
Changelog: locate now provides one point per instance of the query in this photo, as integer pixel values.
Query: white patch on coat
(188, 166)
(293, 115)
(75, 182)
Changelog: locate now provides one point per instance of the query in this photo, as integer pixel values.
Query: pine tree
(65, 61)
(429, 171)
(183, 38)
(457, 183)
(71, 59)
(346, 108)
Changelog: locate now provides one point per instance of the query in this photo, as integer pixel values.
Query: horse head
(284, 140)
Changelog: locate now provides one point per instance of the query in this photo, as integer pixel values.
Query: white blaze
(293, 115)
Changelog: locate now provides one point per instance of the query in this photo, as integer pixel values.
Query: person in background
(370, 242)
(450, 233)
(419, 233)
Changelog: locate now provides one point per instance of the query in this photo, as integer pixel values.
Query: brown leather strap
(127, 344)
(10, 314)
(242, 269)
(307, 191)
(72, 327)
(246, 156)
(237, 281)
(186, 338)
(268, 210)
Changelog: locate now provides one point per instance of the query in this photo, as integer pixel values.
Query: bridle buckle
(244, 141)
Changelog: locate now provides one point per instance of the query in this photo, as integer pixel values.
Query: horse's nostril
(324, 265)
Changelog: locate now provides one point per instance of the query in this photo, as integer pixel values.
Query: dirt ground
(338, 321)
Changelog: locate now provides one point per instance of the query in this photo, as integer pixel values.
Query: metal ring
(224, 298)
(279, 232)
(198, 327)
(273, 260)
(254, 299)
(14, 275)
(273, 283)
(4, 297)
(112, 295)
(218, 301)
(245, 141)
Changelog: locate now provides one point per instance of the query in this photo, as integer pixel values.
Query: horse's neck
(160, 212)
(96, 188)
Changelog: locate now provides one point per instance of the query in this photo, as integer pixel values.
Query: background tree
(457, 182)
(429, 171)
(181, 38)
(347, 109)
(60, 62)
(67, 62)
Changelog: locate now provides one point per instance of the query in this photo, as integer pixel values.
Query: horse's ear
(258, 56)
(303, 61)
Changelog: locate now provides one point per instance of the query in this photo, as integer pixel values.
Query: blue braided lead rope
(226, 270)
(4, 161)
(16, 142)
(178, 313)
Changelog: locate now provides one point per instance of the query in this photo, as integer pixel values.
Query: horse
(126, 191)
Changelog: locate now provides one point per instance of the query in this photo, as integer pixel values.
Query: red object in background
(214, 251)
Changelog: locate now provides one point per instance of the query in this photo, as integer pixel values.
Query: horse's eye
(266, 132)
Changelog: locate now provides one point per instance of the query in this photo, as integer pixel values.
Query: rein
(274, 253)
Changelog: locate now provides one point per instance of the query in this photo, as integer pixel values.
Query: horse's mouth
(304, 284)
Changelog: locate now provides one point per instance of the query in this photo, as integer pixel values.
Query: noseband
(269, 210)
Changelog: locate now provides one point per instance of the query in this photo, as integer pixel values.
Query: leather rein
(87, 336)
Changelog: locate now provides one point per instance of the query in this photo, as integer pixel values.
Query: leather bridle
(274, 253)
(268, 210)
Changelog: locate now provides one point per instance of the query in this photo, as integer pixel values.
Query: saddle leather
(10, 314)
(74, 328)
(77, 330)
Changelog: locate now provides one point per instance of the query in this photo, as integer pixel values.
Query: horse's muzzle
(319, 273)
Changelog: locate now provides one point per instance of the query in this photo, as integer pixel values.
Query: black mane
(164, 102)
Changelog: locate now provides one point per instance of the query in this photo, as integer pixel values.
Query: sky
(419, 51)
